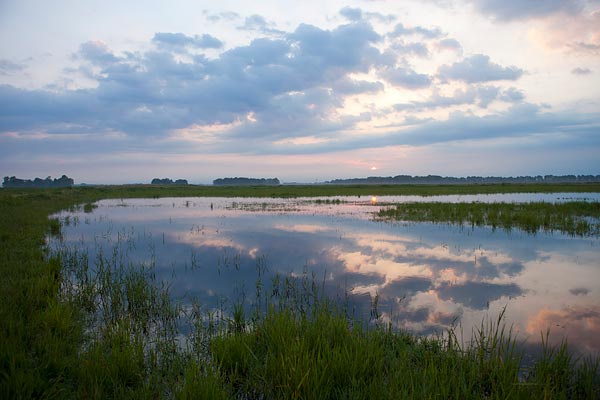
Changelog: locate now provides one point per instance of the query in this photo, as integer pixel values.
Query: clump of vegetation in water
(77, 328)
(89, 207)
(574, 218)
(329, 201)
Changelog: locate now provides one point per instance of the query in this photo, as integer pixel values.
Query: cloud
(8, 67)
(449, 44)
(406, 286)
(478, 68)
(289, 94)
(523, 120)
(290, 85)
(579, 324)
(259, 23)
(401, 30)
(225, 15)
(581, 71)
(181, 41)
(585, 47)
(351, 86)
(415, 48)
(97, 53)
(520, 120)
(512, 95)
(406, 78)
(579, 291)
(481, 95)
(577, 33)
(353, 14)
(508, 10)
(477, 295)
(356, 14)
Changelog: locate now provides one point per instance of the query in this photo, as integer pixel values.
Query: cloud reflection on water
(426, 276)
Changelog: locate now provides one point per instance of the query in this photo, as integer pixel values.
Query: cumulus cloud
(512, 95)
(414, 48)
(449, 44)
(351, 86)
(97, 53)
(353, 14)
(270, 95)
(180, 41)
(406, 78)
(428, 33)
(356, 14)
(259, 23)
(290, 85)
(478, 68)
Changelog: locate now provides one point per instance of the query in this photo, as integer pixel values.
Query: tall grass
(290, 353)
(72, 327)
(574, 218)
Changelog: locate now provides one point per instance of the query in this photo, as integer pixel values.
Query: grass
(574, 218)
(77, 328)
(87, 193)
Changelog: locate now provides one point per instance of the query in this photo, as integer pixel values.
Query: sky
(305, 91)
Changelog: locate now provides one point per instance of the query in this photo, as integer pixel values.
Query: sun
(373, 168)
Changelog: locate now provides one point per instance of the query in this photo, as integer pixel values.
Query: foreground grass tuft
(322, 356)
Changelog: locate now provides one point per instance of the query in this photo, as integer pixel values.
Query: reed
(574, 218)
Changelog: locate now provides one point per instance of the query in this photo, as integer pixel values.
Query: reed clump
(574, 218)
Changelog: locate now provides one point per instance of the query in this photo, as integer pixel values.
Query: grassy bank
(574, 218)
(77, 328)
(284, 191)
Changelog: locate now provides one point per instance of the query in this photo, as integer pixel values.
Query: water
(427, 277)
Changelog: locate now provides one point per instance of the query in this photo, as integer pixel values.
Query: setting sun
(373, 168)
(373, 200)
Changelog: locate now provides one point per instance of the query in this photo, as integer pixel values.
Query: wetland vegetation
(574, 218)
(77, 328)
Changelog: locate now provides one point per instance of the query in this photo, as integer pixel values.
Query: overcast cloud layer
(352, 89)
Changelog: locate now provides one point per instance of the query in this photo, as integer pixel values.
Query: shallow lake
(427, 277)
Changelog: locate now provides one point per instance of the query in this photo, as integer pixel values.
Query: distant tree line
(14, 182)
(167, 181)
(436, 179)
(246, 182)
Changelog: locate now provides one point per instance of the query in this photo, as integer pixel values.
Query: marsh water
(426, 277)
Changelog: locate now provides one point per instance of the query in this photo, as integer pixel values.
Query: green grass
(574, 218)
(322, 356)
(87, 193)
(77, 328)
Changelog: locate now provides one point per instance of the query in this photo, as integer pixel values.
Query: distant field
(129, 191)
